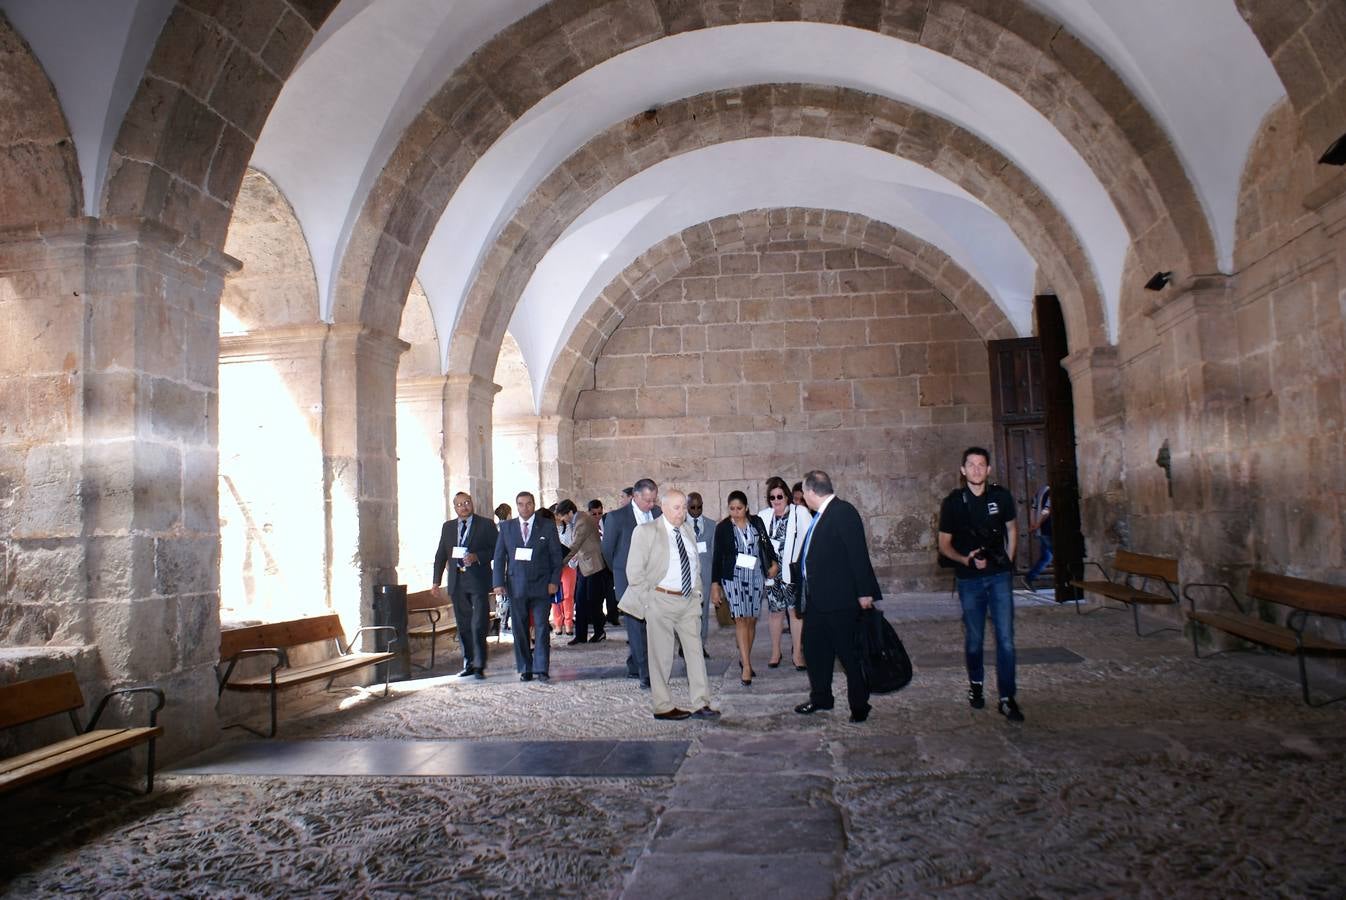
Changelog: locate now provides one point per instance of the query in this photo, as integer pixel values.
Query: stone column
(1204, 427)
(1095, 378)
(423, 503)
(468, 401)
(108, 504)
(556, 458)
(360, 466)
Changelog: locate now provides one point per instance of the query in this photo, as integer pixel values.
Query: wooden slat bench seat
(1302, 597)
(432, 617)
(38, 698)
(1145, 581)
(277, 638)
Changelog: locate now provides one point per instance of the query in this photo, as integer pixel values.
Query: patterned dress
(780, 596)
(744, 589)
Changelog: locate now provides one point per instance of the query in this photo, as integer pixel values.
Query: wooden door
(1019, 417)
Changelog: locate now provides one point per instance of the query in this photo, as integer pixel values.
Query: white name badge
(700, 546)
(746, 561)
(459, 552)
(523, 554)
(770, 582)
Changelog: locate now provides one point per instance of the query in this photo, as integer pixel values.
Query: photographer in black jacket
(978, 532)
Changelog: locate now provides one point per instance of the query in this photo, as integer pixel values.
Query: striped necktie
(684, 562)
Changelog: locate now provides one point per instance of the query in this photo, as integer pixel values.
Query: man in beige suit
(664, 588)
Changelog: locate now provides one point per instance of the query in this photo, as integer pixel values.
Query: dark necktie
(698, 528)
(684, 562)
(462, 532)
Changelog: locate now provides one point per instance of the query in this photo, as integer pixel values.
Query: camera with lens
(990, 541)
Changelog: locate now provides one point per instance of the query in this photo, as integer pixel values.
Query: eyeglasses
(775, 496)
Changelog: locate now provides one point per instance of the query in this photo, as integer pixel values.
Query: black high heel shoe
(773, 665)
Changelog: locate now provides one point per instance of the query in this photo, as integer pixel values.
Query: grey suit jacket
(618, 526)
(528, 579)
(708, 537)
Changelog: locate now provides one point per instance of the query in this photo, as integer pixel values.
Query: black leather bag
(883, 659)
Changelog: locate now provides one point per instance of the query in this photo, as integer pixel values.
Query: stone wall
(788, 356)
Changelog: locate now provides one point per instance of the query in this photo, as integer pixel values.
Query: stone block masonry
(788, 355)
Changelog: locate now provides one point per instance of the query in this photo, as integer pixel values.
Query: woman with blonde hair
(786, 525)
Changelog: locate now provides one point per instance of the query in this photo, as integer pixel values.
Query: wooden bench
(1152, 572)
(1303, 598)
(38, 698)
(439, 619)
(277, 638)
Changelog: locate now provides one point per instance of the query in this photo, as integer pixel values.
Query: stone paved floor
(1140, 771)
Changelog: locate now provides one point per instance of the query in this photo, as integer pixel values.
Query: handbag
(883, 659)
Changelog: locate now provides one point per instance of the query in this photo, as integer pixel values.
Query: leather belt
(664, 590)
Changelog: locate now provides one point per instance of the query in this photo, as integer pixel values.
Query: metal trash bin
(390, 608)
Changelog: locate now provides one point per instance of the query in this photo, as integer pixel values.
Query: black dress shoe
(859, 715)
(704, 654)
(480, 674)
(543, 676)
(467, 670)
(808, 709)
(525, 676)
(598, 637)
(706, 712)
(674, 714)
(578, 640)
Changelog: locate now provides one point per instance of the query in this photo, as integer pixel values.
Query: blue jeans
(993, 594)
(1043, 561)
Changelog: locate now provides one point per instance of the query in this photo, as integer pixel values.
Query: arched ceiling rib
(752, 174)
(1199, 70)
(699, 61)
(94, 54)
(367, 74)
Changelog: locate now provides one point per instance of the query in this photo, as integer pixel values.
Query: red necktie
(525, 531)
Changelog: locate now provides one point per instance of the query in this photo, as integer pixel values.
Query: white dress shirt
(672, 580)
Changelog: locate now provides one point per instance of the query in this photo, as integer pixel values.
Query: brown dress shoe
(673, 713)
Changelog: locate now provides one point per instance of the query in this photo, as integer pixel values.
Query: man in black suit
(618, 526)
(528, 555)
(465, 547)
(838, 582)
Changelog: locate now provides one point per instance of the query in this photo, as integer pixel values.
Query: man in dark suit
(618, 526)
(528, 556)
(838, 582)
(465, 547)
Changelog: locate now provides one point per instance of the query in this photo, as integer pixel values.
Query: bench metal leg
(1135, 615)
(1304, 685)
(149, 770)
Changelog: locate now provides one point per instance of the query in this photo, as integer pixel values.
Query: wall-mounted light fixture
(1165, 461)
(1335, 154)
(1158, 281)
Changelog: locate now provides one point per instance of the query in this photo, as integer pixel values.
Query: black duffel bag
(883, 659)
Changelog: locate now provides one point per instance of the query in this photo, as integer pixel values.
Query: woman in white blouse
(786, 525)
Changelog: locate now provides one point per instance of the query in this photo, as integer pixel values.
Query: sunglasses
(775, 496)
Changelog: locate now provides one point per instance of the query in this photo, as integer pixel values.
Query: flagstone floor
(1139, 771)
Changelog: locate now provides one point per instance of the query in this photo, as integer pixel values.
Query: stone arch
(572, 370)
(39, 172)
(770, 110)
(1304, 42)
(1279, 173)
(1024, 50)
(189, 133)
(276, 287)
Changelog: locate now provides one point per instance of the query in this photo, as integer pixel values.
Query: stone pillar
(108, 508)
(272, 527)
(1095, 378)
(423, 502)
(468, 401)
(556, 458)
(1204, 427)
(360, 466)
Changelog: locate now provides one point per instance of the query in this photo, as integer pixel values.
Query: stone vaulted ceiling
(517, 156)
